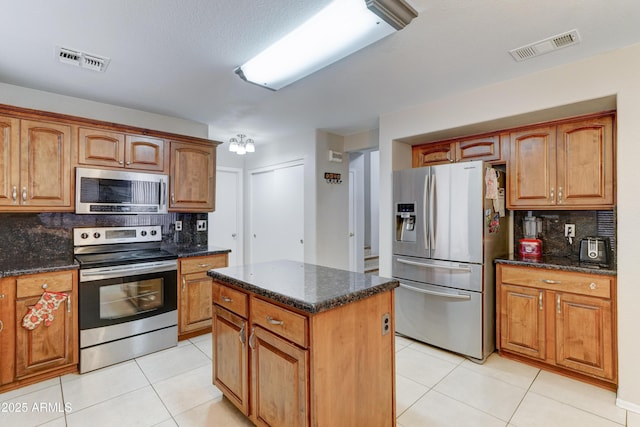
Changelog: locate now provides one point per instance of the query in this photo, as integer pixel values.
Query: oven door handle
(127, 271)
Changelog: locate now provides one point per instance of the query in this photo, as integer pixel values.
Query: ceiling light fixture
(241, 146)
(338, 30)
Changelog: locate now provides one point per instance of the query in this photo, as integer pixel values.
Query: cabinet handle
(1, 326)
(184, 283)
(1, 296)
(68, 303)
(552, 195)
(252, 339)
(540, 300)
(120, 162)
(551, 282)
(243, 338)
(173, 198)
(559, 195)
(226, 298)
(128, 163)
(24, 194)
(274, 321)
(45, 286)
(203, 265)
(14, 193)
(558, 303)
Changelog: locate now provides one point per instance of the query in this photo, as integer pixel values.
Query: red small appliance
(530, 246)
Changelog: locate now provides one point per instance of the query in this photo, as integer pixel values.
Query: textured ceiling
(176, 57)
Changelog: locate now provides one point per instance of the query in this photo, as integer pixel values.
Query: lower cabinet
(194, 293)
(281, 367)
(562, 320)
(51, 348)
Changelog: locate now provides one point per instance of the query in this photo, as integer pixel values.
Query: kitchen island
(297, 344)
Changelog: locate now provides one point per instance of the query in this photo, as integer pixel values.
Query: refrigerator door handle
(438, 294)
(421, 264)
(425, 205)
(432, 214)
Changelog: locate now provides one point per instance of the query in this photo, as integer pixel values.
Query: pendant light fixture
(241, 145)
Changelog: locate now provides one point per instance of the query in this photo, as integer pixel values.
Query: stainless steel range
(127, 294)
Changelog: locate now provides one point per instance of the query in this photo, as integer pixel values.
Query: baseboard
(629, 406)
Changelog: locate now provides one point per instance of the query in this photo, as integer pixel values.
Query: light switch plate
(201, 225)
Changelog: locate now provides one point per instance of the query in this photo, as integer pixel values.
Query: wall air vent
(550, 44)
(82, 59)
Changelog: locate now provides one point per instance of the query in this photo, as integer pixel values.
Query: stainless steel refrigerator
(447, 234)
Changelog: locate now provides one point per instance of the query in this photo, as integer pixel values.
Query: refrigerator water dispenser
(405, 222)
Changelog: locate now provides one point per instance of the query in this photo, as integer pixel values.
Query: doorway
(225, 224)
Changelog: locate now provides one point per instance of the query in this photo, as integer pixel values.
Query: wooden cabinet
(291, 368)
(192, 175)
(563, 320)
(565, 166)
(195, 295)
(35, 168)
(487, 148)
(97, 147)
(29, 356)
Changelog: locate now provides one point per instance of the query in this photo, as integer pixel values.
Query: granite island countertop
(306, 287)
(562, 263)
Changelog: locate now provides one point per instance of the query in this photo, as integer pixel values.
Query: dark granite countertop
(307, 287)
(20, 264)
(557, 263)
(192, 250)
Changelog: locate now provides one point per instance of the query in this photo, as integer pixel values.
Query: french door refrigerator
(447, 233)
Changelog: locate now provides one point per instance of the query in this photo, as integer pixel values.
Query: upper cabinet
(566, 166)
(99, 147)
(487, 148)
(35, 165)
(193, 168)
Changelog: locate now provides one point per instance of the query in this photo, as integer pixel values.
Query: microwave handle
(163, 196)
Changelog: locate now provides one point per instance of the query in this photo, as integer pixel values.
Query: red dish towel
(42, 311)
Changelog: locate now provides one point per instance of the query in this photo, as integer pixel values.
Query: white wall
(46, 101)
(615, 73)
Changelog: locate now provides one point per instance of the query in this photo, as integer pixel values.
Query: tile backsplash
(588, 223)
(41, 235)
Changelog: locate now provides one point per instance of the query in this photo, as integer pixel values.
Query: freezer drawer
(447, 318)
(442, 273)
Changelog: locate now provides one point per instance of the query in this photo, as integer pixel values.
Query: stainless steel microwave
(102, 191)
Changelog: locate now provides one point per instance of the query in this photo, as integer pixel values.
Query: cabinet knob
(45, 286)
(1, 296)
(593, 286)
(120, 162)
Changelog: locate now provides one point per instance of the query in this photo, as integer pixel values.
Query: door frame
(239, 173)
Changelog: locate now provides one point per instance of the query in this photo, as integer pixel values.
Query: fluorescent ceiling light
(338, 30)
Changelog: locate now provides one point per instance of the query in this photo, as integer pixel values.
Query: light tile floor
(433, 388)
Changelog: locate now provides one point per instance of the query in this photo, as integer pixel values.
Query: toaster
(595, 250)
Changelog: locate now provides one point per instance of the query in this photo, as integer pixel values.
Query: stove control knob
(96, 235)
(154, 232)
(84, 235)
(143, 233)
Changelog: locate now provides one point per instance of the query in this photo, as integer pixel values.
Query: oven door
(113, 295)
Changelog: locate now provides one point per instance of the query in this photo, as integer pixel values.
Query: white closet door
(225, 224)
(277, 214)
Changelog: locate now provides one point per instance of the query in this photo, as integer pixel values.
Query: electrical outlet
(178, 225)
(202, 225)
(569, 230)
(386, 323)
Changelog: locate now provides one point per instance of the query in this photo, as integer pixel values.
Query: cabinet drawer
(280, 321)
(32, 286)
(198, 264)
(231, 299)
(579, 283)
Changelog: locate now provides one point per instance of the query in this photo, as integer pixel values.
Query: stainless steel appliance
(127, 294)
(102, 191)
(446, 237)
(595, 250)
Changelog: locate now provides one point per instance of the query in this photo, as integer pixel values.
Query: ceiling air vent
(82, 59)
(547, 45)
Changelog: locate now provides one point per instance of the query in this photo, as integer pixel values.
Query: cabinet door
(522, 320)
(45, 165)
(278, 381)
(486, 149)
(584, 335)
(230, 357)
(585, 163)
(532, 168)
(100, 148)
(9, 160)
(7, 330)
(192, 177)
(144, 153)
(195, 302)
(433, 154)
(45, 347)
